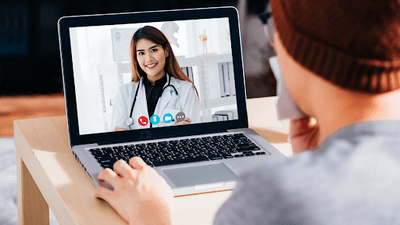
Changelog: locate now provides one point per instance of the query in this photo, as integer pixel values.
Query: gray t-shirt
(352, 178)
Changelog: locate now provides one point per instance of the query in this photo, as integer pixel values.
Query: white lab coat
(186, 101)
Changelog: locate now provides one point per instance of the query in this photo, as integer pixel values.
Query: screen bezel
(76, 138)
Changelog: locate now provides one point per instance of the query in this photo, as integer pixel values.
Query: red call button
(143, 120)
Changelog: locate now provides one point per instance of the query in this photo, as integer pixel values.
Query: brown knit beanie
(354, 44)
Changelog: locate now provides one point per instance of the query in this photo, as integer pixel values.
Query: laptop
(203, 156)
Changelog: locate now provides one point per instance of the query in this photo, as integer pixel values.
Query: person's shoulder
(182, 82)
(262, 192)
(371, 144)
(183, 85)
(304, 166)
(281, 166)
(335, 173)
(128, 87)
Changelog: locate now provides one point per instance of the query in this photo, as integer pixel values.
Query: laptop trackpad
(199, 175)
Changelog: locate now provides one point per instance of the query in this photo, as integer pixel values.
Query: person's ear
(166, 51)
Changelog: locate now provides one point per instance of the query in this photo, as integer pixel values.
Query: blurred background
(29, 56)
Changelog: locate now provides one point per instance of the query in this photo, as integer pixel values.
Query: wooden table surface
(49, 176)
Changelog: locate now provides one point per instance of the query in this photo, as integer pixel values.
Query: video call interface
(105, 93)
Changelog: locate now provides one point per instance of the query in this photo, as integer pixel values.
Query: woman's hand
(120, 129)
(184, 122)
(304, 134)
(140, 195)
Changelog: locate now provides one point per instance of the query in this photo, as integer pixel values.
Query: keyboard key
(216, 157)
(148, 162)
(213, 155)
(227, 156)
(249, 147)
(107, 166)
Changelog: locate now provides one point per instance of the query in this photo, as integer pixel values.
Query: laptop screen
(183, 74)
(113, 96)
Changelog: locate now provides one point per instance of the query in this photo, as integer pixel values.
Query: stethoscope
(129, 120)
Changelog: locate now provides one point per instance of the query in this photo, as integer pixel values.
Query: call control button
(168, 118)
(143, 121)
(180, 116)
(154, 119)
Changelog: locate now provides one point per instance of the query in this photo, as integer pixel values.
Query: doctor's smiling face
(151, 58)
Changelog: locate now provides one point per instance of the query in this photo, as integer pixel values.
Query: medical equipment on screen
(169, 29)
(203, 39)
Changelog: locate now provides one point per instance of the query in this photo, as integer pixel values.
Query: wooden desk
(49, 176)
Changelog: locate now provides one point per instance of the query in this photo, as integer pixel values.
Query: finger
(122, 168)
(109, 176)
(120, 129)
(183, 123)
(137, 163)
(103, 193)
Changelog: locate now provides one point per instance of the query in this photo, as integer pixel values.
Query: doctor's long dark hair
(156, 36)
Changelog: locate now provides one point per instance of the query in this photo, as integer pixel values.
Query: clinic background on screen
(101, 64)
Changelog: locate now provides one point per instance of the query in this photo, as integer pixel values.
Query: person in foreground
(341, 61)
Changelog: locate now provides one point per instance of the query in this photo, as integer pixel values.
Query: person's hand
(120, 129)
(304, 134)
(184, 122)
(140, 195)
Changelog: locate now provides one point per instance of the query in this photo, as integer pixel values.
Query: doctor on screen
(160, 93)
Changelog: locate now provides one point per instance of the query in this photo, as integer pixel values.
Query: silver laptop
(205, 155)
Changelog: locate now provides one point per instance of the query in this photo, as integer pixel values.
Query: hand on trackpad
(200, 175)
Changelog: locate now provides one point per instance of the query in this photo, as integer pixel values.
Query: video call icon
(154, 119)
(168, 118)
(143, 121)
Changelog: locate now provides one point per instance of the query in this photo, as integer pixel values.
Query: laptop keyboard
(181, 151)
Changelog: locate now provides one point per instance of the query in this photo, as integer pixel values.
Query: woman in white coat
(159, 90)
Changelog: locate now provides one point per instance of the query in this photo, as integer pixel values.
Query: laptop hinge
(100, 142)
(92, 145)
